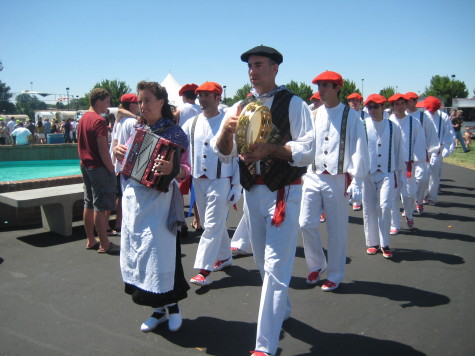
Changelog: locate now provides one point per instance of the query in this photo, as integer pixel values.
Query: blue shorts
(99, 188)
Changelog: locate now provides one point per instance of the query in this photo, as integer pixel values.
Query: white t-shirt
(187, 111)
(21, 135)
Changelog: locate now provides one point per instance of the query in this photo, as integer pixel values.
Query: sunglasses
(376, 106)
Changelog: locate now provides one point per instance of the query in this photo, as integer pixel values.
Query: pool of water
(21, 170)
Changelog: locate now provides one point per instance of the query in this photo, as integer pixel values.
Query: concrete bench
(56, 204)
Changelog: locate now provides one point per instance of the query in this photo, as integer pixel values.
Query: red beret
(329, 76)
(211, 87)
(411, 95)
(315, 96)
(431, 103)
(129, 98)
(396, 97)
(355, 96)
(187, 87)
(375, 98)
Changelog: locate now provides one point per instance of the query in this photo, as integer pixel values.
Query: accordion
(139, 161)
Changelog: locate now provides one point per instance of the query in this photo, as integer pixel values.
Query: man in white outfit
(413, 141)
(446, 137)
(271, 174)
(216, 185)
(421, 170)
(385, 157)
(189, 108)
(341, 154)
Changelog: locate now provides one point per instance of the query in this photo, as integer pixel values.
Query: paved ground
(59, 299)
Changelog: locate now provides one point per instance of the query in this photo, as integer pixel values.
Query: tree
(387, 92)
(26, 104)
(6, 107)
(302, 90)
(446, 89)
(348, 88)
(241, 94)
(115, 88)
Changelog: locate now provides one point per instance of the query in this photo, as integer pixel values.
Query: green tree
(115, 88)
(241, 94)
(26, 104)
(348, 88)
(302, 90)
(6, 107)
(387, 92)
(445, 88)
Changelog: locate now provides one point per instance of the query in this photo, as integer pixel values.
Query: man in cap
(355, 101)
(316, 101)
(421, 170)
(413, 141)
(216, 185)
(446, 139)
(385, 157)
(189, 108)
(271, 174)
(341, 153)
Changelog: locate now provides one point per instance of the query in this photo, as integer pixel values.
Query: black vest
(276, 173)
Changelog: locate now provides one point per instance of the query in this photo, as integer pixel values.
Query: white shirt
(327, 127)
(413, 143)
(121, 132)
(11, 126)
(445, 132)
(432, 141)
(380, 146)
(301, 131)
(203, 159)
(21, 135)
(187, 111)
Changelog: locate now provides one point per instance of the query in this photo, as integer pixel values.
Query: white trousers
(212, 203)
(274, 252)
(405, 191)
(421, 173)
(435, 172)
(325, 193)
(241, 239)
(378, 193)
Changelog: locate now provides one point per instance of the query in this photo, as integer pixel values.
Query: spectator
(21, 134)
(456, 118)
(40, 129)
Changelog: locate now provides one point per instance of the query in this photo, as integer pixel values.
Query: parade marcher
(341, 157)
(414, 150)
(385, 157)
(216, 185)
(270, 174)
(355, 101)
(241, 242)
(446, 139)
(150, 258)
(421, 169)
(316, 101)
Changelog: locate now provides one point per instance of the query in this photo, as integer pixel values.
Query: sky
(51, 45)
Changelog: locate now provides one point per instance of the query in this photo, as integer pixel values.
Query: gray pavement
(57, 298)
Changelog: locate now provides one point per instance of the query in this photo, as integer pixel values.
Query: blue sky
(58, 44)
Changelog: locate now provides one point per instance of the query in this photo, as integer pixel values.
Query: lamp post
(362, 90)
(224, 88)
(67, 94)
(31, 86)
(77, 102)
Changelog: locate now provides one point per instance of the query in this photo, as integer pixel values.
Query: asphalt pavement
(57, 298)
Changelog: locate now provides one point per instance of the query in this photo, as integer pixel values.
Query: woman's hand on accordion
(119, 152)
(163, 167)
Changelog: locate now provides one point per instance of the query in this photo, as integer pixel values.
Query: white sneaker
(200, 280)
(219, 265)
(236, 251)
(155, 320)
(175, 321)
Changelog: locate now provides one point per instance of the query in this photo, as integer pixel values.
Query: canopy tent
(173, 88)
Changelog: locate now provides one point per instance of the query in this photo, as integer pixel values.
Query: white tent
(173, 88)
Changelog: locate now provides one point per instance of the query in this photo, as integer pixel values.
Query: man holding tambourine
(271, 167)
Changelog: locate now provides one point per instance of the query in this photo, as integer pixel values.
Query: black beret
(265, 52)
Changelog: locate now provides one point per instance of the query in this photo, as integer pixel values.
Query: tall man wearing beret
(189, 108)
(385, 157)
(341, 155)
(446, 137)
(413, 141)
(421, 170)
(271, 174)
(216, 185)
(355, 101)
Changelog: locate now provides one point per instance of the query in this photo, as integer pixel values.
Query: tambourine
(254, 126)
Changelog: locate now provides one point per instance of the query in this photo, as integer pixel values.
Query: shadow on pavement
(424, 255)
(442, 235)
(344, 344)
(415, 297)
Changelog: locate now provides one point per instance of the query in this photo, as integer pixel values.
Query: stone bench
(56, 204)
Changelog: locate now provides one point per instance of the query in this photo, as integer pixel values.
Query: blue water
(21, 170)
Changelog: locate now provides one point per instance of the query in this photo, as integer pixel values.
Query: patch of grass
(459, 158)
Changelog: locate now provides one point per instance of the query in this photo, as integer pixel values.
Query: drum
(254, 126)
